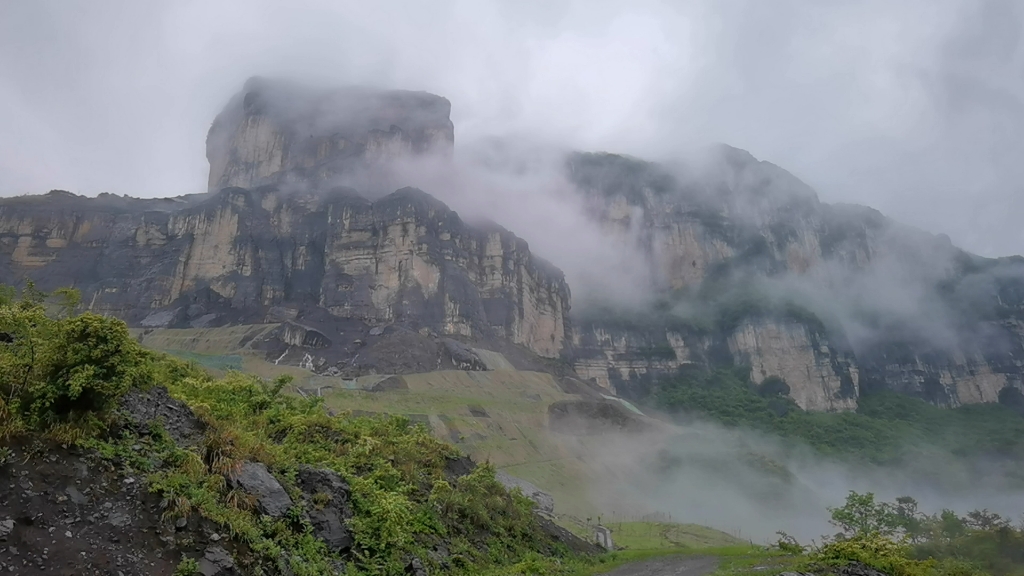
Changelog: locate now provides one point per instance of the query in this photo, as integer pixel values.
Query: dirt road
(668, 566)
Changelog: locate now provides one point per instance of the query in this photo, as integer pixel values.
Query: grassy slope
(512, 437)
(658, 535)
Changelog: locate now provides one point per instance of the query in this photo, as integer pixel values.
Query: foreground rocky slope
(119, 459)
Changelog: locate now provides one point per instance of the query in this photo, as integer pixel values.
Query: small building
(603, 537)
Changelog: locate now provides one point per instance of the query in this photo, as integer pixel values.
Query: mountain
(749, 267)
(301, 229)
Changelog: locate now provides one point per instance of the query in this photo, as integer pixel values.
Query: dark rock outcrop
(141, 409)
(217, 561)
(254, 478)
(463, 357)
(328, 505)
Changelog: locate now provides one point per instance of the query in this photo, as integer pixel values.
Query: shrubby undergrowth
(898, 539)
(62, 375)
(886, 428)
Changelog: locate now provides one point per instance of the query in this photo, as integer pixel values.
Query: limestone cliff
(266, 255)
(750, 267)
(273, 132)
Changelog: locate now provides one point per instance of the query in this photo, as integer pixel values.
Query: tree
(861, 515)
(985, 520)
(68, 300)
(911, 521)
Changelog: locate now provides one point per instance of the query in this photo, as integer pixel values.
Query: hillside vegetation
(64, 378)
(887, 428)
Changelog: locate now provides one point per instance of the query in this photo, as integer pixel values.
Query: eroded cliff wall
(234, 255)
(750, 267)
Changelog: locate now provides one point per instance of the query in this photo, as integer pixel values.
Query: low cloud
(911, 107)
(751, 484)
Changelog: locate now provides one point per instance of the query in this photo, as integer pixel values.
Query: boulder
(544, 501)
(463, 356)
(141, 408)
(415, 568)
(329, 519)
(217, 561)
(254, 478)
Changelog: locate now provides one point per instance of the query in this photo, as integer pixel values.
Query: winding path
(668, 566)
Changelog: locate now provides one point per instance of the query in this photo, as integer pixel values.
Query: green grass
(734, 561)
(659, 535)
(513, 437)
(756, 561)
(220, 362)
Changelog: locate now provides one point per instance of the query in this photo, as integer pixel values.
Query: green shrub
(187, 567)
(58, 370)
(875, 550)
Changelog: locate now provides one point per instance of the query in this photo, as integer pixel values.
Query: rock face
(267, 255)
(747, 266)
(274, 132)
(329, 516)
(544, 501)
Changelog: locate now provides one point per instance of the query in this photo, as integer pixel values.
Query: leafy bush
(875, 550)
(61, 370)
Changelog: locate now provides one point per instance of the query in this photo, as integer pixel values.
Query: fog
(914, 107)
(752, 485)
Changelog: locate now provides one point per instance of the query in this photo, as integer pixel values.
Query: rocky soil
(68, 512)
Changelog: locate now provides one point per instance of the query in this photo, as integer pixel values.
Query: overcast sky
(915, 107)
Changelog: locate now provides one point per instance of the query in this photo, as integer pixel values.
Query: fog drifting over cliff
(912, 107)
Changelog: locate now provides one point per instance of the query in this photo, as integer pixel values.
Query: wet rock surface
(256, 479)
(329, 505)
(544, 501)
(217, 561)
(142, 408)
